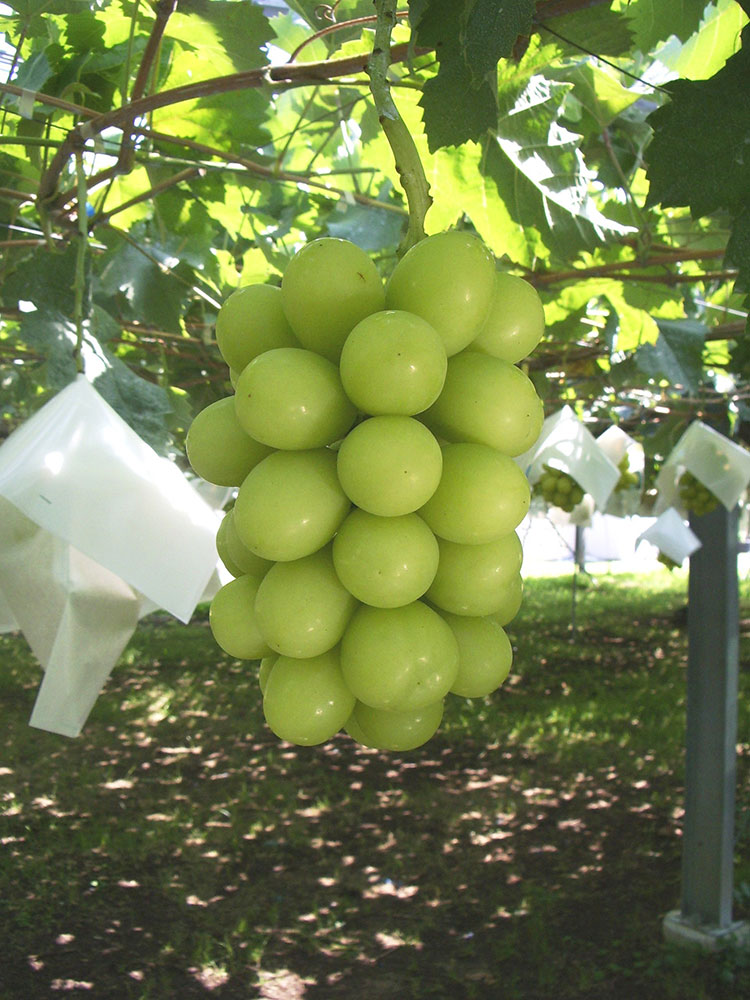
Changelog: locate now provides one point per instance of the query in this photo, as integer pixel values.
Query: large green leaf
(699, 155)
(677, 354)
(655, 20)
(491, 28)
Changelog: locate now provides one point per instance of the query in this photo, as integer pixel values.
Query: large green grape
(400, 659)
(447, 279)
(237, 558)
(473, 579)
(385, 561)
(250, 322)
(512, 598)
(232, 619)
(482, 495)
(515, 321)
(398, 731)
(393, 362)
(327, 288)
(306, 700)
(389, 465)
(218, 448)
(485, 655)
(487, 401)
(293, 399)
(301, 607)
(290, 505)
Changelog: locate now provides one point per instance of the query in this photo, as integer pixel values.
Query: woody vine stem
(405, 154)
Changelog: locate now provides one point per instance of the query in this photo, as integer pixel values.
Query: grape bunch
(694, 496)
(558, 488)
(371, 436)
(627, 478)
(667, 561)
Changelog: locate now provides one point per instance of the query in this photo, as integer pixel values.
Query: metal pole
(705, 916)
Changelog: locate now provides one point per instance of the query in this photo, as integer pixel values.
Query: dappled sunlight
(179, 839)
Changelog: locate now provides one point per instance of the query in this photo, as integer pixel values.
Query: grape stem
(405, 154)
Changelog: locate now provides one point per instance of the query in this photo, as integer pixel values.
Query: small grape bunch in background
(696, 498)
(667, 561)
(558, 489)
(627, 478)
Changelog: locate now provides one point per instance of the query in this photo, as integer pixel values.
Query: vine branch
(405, 154)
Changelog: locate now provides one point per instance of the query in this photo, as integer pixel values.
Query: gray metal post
(705, 916)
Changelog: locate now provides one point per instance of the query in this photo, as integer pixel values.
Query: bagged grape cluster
(695, 497)
(558, 488)
(371, 436)
(628, 480)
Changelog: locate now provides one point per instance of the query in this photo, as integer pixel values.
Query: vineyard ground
(530, 850)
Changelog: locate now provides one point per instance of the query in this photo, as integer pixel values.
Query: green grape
(389, 465)
(218, 449)
(487, 401)
(237, 558)
(290, 505)
(266, 666)
(232, 619)
(302, 608)
(482, 495)
(472, 579)
(485, 655)
(399, 659)
(293, 399)
(250, 322)
(393, 362)
(696, 497)
(306, 700)
(667, 561)
(397, 731)
(512, 598)
(627, 478)
(447, 279)
(385, 561)
(515, 322)
(327, 288)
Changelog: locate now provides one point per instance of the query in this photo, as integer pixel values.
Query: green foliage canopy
(155, 156)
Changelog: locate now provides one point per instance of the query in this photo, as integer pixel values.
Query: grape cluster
(627, 478)
(694, 496)
(371, 436)
(558, 488)
(667, 561)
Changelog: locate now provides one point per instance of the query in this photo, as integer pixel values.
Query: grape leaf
(52, 335)
(700, 155)
(454, 110)
(141, 404)
(677, 354)
(654, 21)
(490, 32)
(601, 29)
(738, 249)
(135, 287)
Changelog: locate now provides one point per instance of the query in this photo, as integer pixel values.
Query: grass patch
(177, 849)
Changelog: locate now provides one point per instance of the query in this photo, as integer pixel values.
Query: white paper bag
(76, 616)
(672, 536)
(77, 470)
(564, 443)
(720, 464)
